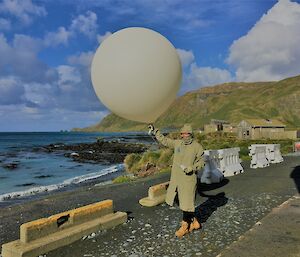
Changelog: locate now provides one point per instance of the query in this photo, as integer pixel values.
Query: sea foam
(71, 181)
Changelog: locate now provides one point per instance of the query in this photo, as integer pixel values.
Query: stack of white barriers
(221, 163)
(264, 154)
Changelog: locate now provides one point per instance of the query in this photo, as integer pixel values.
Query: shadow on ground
(295, 175)
(206, 209)
(201, 187)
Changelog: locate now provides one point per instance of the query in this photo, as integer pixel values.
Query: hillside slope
(230, 101)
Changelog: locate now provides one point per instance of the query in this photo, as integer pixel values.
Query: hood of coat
(187, 128)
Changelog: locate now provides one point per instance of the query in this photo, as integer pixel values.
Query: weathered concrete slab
(45, 226)
(156, 195)
(44, 235)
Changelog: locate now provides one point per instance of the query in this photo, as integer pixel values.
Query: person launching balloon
(136, 73)
(187, 160)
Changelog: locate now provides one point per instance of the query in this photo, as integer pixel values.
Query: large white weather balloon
(136, 73)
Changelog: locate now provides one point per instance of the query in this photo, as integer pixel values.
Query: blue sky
(46, 48)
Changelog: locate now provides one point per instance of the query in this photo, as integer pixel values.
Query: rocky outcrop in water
(98, 152)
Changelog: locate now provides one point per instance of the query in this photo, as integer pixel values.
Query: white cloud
(11, 91)
(187, 17)
(76, 91)
(68, 74)
(61, 36)
(82, 24)
(101, 38)
(270, 50)
(34, 90)
(28, 81)
(24, 10)
(24, 118)
(205, 76)
(24, 43)
(85, 24)
(42, 95)
(20, 58)
(5, 24)
(195, 77)
(83, 59)
(186, 57)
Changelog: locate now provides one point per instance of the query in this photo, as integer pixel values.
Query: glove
(188, 171)
(151, 129)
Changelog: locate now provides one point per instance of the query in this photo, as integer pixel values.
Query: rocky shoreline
(98, 152)
(104, 152)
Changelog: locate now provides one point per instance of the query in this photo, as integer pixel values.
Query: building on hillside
(263, 128)
(219, 125)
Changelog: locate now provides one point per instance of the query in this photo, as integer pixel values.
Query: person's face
(185, 135)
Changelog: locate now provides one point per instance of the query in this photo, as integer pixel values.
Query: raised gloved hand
(151, 129)
(188, 171)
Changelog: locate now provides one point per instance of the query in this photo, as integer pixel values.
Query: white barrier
(221, 163)
(211, 173)
(259, 158)
(230, 162)
(273, 153)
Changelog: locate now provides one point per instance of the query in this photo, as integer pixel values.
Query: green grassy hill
(230, 101)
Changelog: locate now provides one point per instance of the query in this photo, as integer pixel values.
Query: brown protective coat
(188, 156)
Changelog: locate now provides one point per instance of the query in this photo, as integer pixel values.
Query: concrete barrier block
(92, 211)
(147, 202)
(45, 226)
(158, 190)
(156, 195)
(38, 228)
(36, 246)
(113, 220)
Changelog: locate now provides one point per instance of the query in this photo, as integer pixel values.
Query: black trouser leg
(188, 217)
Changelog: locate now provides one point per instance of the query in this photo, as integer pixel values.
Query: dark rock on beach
(11, 166)
(98, 152)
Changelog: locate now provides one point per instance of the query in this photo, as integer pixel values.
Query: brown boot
(194, 225)
(182, 230)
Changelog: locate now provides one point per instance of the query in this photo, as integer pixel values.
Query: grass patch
(122, 179)
(165, 170)
(134, 163)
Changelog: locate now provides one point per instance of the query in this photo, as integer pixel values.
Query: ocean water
(39, 172)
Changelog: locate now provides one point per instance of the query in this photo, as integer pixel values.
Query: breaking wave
(71, 181)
